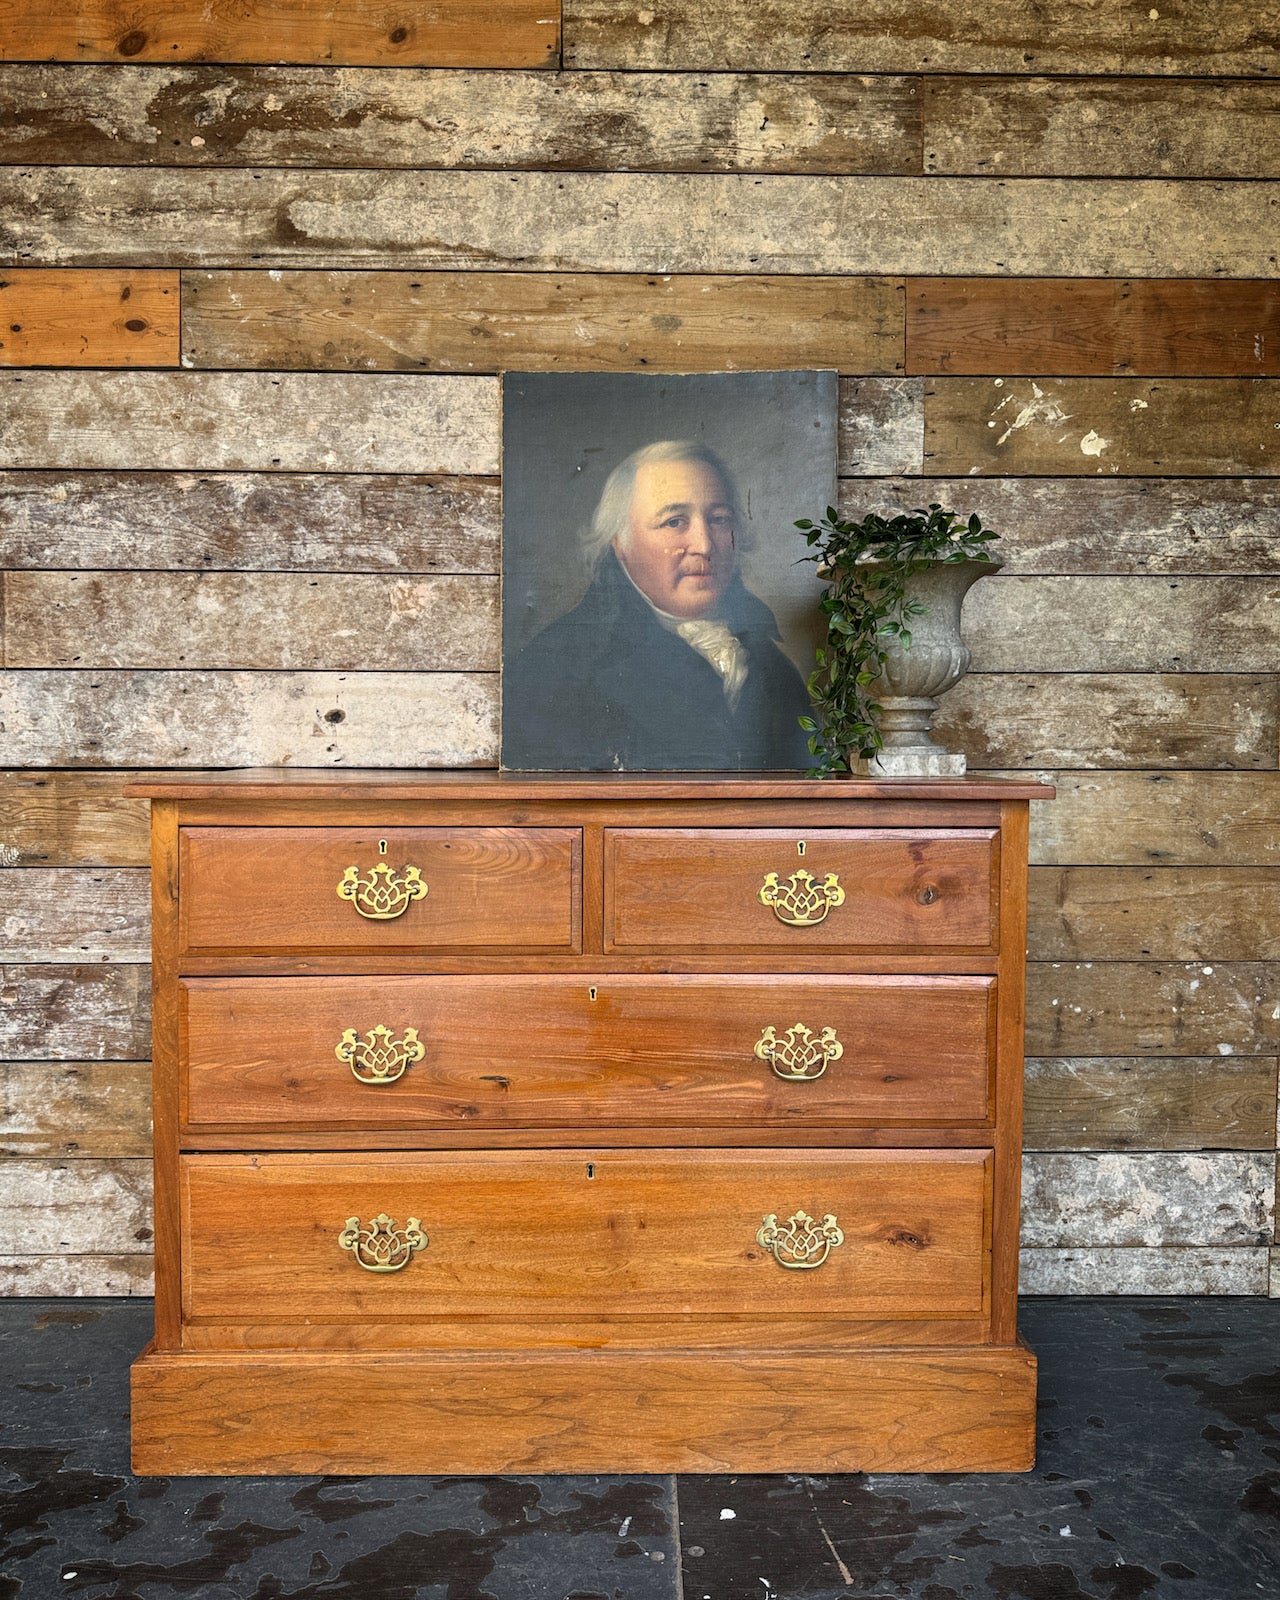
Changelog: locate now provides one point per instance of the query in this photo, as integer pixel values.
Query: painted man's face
(681, 552)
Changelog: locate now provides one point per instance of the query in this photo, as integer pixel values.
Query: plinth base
(917, 761)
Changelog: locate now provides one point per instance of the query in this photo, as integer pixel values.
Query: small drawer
(841, 890)
(547, 1234)
(283, 890)
(269, 1054)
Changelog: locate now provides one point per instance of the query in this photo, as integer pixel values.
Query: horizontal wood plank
(881, 426)
(278, 521)
(71, 819)
(1138, 1270)
(491, 321)
(1139, 426)
(445, 33)
(1150, 1103)
(636, 222)
(276, 620)
(1063, 36)
(1104, 327)
(76, 1207)
(235, 719)
(75, 1013)
(76, 1108)
(75, 914)
(120, 115)
(88, 318)
(1110, 127)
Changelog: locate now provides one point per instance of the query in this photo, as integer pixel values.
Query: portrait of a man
(661, 656)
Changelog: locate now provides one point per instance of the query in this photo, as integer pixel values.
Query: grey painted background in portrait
(563, 433)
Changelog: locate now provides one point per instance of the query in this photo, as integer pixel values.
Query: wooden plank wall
(261, 274)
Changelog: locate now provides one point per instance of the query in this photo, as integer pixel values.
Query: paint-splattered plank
(1020, 36)
(440, 33)
(300, 522)
(1092, 525)
(65, 1275)
(1071, 327)
(1137, 1270)
(1112, 1008)
(75, 1013)
(1136, 720)
(637, 222)
(71, 819)
(88, 318)
(75, 1108)
(75, 914)
(286, 422)
(249, 719)
(274, 620)
(78, 1207)
(1117, 127)
(398, 117)
(1139, 426)
(1150, 1103)
(491, 321)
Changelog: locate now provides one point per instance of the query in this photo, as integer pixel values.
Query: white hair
(612, 517)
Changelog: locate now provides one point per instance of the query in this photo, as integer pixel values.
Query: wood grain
(70, 819)
(636, 222)
(75, 914)
(1151, 1103)
(881, 427)
(75, 1108)
(446, 33)
(74, 1013)
(1193, 426)
(120, 115)
(88, 319)
(76, 1207)
(1170, 327)
(1139, 1270)
(210, 521)
(491, 321)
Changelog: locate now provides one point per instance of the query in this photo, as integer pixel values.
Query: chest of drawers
(593, 1123)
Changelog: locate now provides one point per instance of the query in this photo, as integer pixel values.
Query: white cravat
(725, 652)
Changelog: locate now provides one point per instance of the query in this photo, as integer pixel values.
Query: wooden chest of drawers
(586, 1124)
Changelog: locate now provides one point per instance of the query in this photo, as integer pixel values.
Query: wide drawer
(841, 890)
(505, 1051)
(546, 1234)
(354, 889)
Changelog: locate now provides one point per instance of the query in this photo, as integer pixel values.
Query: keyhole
(592, 992)
(799, 847)
(591, 1169)
(382, 847)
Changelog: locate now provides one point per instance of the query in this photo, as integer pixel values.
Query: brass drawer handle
(383, 894)
(802, 901)
(378, 1057)
(379, 1246)
(797, 1053)
(800, 1241)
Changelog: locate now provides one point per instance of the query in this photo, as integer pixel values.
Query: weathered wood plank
(70, 1013)
(1111, 1008)
(1106, 525)
(90, 318)
(71, 819)
(405, 117)
(1106, 624)
(637, 222)
(1172, 327)
(1150, 1103)
(1161, 913)
(1066, 36)
(76, 1207)
(249, 719)
(275, 620)
(1120, 127)
(1239, 1271)
(1223, 1198)
(1140, 426)
(269, 422)
(881, 426)
(300, 522)
(443, 33)
(491, 321)
(1138, 720)
(75, 914)
(60, 1275)
(75, 1108)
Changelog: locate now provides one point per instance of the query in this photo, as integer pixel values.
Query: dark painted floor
(1159, 1475)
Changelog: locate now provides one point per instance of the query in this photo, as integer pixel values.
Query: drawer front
(387, 1052)
(834, 889)
(353, 889)
(546, 1234)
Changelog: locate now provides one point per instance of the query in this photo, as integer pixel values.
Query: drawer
(547, 1234)
(391, 1052)
(842, 890)
(264, 890)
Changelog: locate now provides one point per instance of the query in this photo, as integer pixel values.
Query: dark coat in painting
(608, 688)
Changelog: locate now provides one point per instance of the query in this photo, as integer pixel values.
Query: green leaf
(808, 724)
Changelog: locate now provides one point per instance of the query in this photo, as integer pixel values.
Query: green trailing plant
(867, 565)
